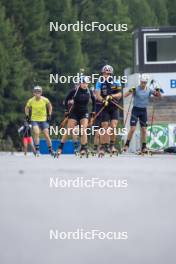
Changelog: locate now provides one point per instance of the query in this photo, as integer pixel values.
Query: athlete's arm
(98, 91)
(27, 110)
(117, 95)
(68, 97)
(117, 90)
(129, 92)
(50, 108)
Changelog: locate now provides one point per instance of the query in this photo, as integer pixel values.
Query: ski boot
(114, 151)
(95, 150)
(37, 153)
(51, 151)
(76, 150)
(107, 148)
(101, 151)
(58, 153)
(84, 151)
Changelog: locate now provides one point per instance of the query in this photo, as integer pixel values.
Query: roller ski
(145, 151)
(84, 151)
(101, 152)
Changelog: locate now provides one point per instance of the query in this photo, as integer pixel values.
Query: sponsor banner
(157, 137)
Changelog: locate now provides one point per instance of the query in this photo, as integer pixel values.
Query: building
(154, 54)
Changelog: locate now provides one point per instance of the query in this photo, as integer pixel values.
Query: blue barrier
(68, 146)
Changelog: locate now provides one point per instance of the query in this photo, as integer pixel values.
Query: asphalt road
(31, 208)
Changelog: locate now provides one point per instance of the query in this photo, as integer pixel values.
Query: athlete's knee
(105, 125)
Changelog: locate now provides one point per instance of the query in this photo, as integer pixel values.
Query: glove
(160, 90)
(105, 102)
(109, 98)
(132, 90)
(28, 118)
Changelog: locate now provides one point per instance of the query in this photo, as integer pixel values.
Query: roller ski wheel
(114, 153)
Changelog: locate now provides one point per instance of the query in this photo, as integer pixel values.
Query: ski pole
(97, 114)
(128, 110)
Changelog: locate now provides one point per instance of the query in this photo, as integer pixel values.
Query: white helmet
(107, 68)
(144, 78)
(37, 88)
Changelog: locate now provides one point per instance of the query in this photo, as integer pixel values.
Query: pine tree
(13, 72)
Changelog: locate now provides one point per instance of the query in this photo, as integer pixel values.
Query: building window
(159, 48)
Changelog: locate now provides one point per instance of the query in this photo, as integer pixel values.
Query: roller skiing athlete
(26, 132)
(70, 104)
(141, 95)
(108, 91)
(38, 111)
(79, 115)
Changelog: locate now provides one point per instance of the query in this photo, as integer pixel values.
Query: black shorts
(78, 115)
(109, 114)
(138, 113)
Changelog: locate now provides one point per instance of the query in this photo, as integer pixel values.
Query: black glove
(132, 90)
(49, 118)
(28, 118)
(109, 98)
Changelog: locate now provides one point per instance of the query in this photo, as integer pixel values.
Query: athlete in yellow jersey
(38, 111)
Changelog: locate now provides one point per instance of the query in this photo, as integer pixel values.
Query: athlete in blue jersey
(108, 91)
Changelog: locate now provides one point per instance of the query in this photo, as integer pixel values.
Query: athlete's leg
(84, 125)
(47, 136)
(114, 124)
(75, 134)
(70, 126)
(25, 146)
(143, 123)
(133, 123)
(36, 131)
(96, 138)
